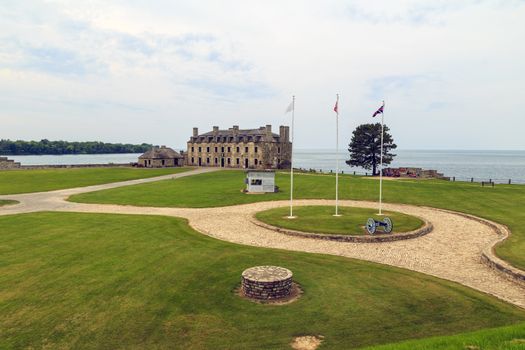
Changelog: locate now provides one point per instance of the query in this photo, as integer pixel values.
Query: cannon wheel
(389, 226)
(370, 226)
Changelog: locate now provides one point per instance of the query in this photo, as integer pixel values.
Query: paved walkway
(451, 251)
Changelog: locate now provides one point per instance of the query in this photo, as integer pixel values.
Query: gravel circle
(452, 251)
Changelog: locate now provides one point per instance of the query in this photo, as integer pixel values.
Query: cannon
(372, 225)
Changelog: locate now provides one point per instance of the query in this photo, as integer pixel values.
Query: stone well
(266, 282)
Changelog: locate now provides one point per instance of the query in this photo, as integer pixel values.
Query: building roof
(238, 135)
(162, 152)
(240, 132)
(258, 171)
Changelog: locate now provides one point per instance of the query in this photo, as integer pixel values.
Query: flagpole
(337, 158)
(291, 162)
(381, 166)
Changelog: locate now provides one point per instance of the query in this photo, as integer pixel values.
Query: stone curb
(380, 238)
(489, 257)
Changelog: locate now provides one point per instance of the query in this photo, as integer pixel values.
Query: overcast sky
(452, 73)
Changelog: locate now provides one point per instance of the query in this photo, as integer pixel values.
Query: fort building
(8, 163)
(240, 148)
(161, 157)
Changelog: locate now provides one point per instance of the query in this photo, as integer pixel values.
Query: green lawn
(73, 280)
(39, 180)
(503, 338)
(504, 203)
(7, 202)
(320, 219)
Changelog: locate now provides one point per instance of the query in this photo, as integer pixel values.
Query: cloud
(387, 85)
(73, 44)
(417, 13)
(232, 91)
(180, 64)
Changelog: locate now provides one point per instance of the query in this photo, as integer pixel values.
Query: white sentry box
(260, 181)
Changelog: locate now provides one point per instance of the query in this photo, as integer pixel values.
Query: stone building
(240, 148)
(8, 163)
(161, 157)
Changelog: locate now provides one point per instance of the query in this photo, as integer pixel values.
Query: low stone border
(266, 282)
(489, 257)
(378, 238)
(294, 295)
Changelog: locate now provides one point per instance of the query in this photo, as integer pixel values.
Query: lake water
(482, 165)
(500, 166)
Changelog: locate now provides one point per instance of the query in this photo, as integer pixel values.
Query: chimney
(195, 132)
(268, 132)
(236, 127)
(215, 130)
(284, 133)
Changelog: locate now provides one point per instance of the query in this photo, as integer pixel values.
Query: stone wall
(376, 238)
(267, 290)
(8, 163)
(266, 282)
(159, 163)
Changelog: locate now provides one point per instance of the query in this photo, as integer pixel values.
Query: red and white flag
(336, 107)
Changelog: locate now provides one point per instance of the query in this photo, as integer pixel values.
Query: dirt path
(451, 251)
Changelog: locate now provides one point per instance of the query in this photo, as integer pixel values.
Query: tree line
(8, 147)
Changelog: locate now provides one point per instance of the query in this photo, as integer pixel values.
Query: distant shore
(498, 166)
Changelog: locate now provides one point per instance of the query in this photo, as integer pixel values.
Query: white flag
(289, 109)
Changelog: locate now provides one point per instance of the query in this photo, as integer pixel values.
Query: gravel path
(451, 251)
(55, 200)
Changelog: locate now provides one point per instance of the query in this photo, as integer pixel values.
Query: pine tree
(365, 147)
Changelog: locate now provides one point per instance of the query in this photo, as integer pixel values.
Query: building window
(200, 149)
(278, 149)
(246, 149)
(256, 182)
(229, 149)
(208, 149)
(256, 161)
(192, 160)
(216, 161)
(256, 149)
(238, 161)
(229, 161)
(215, 149)
(207, 160)
(222, 149)
(238, 149)
(192, 149)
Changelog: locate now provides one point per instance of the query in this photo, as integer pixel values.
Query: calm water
(76, 159)
(482, 165)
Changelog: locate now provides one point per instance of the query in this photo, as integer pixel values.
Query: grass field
(320, 219)
(7, 202)
(71, 280)
(39, 180)
(503, 204)
(503, 338)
